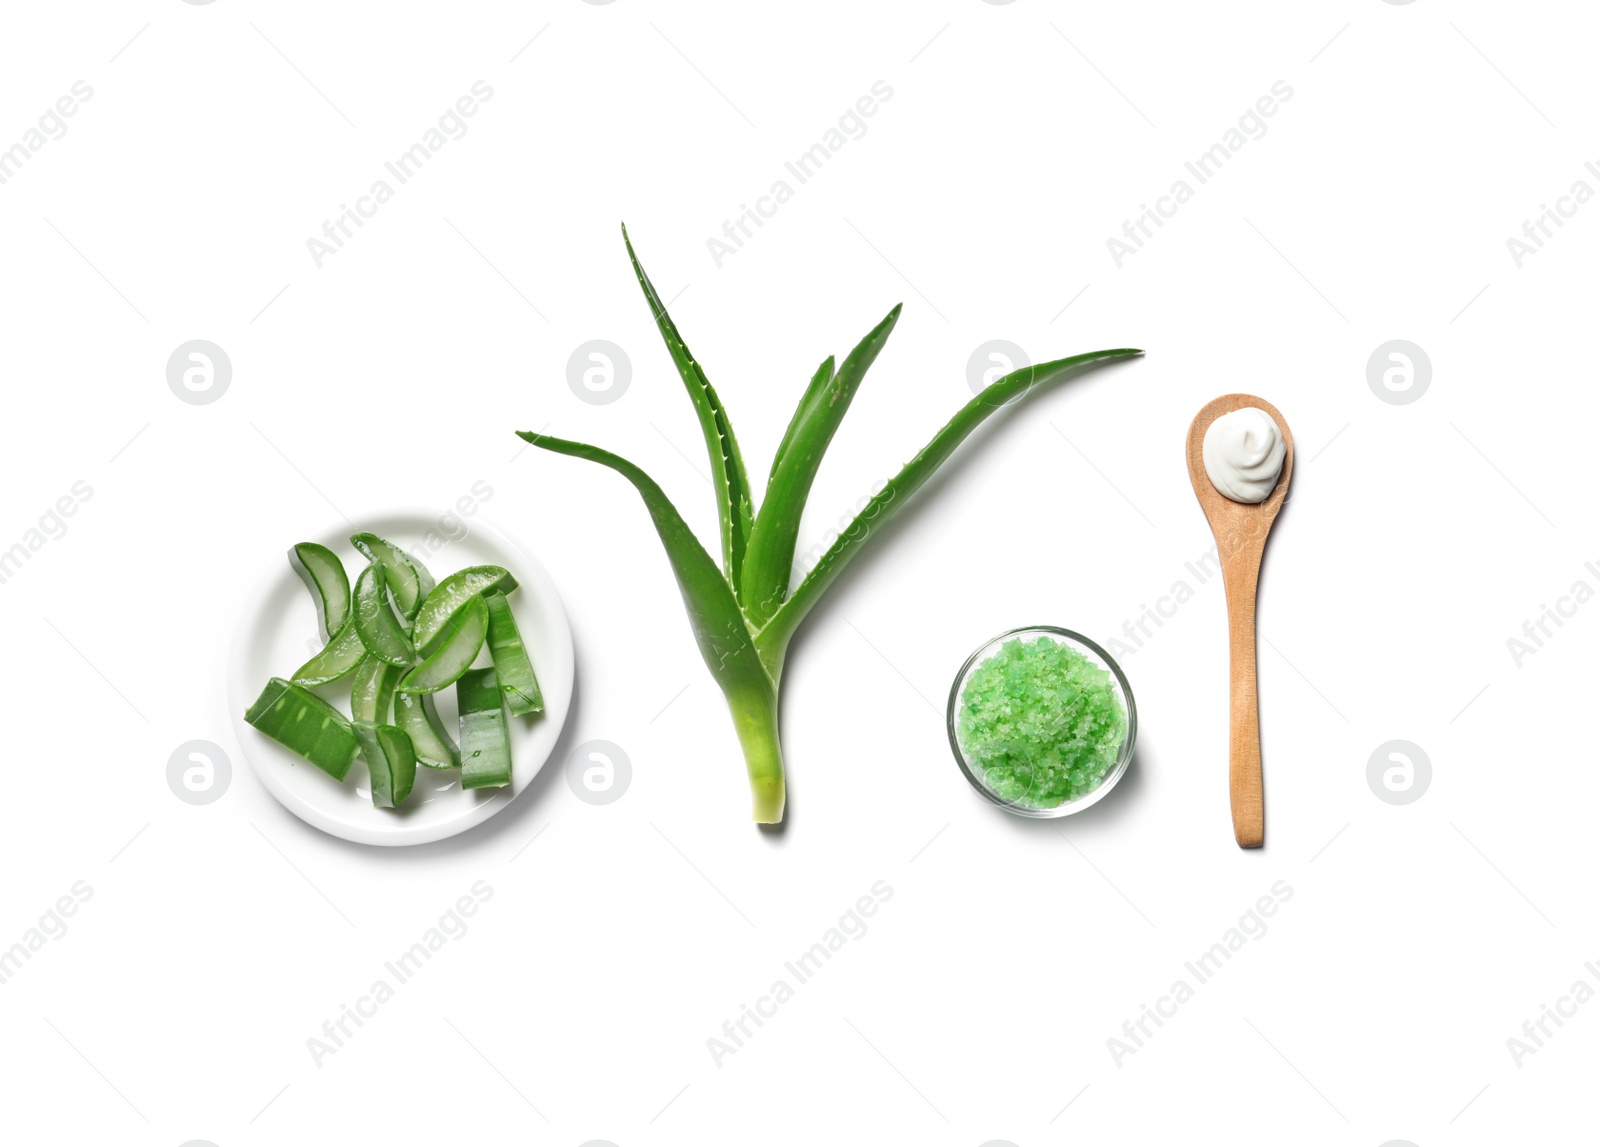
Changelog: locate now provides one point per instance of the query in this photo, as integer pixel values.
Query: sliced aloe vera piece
(379, 628)
(391, 762)
(450, 595)
(323, 572)
(457, 647)
(485, 740)
(300, 720)
(372, 690)
(337, 658)
(415, 713)
(409, 580)
(511, 664)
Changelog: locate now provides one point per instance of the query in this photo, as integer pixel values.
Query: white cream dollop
(1243, 452)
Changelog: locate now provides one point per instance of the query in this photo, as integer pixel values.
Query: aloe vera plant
(744, 613)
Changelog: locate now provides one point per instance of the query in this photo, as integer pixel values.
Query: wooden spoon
(1241, 532)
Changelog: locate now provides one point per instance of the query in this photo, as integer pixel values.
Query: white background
(978, 1006)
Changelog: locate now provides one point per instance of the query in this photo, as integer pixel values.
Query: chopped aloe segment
(485, 740)
(323, 572)
(511, 662)
(415, 713)
(450, 595)
(455, 650)
(300, 720)
(337, 658)
(380, 629)
(372, 690)
(409, 579)
(391, 763)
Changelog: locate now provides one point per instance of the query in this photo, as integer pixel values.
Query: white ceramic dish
(278, 633)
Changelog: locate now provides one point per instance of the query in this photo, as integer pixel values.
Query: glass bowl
(1096, 655)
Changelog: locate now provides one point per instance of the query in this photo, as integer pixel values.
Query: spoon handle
(1244, 734)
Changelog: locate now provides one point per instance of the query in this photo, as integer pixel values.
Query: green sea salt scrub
(1040, 723)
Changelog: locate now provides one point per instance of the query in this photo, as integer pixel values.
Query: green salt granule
(1040, 723)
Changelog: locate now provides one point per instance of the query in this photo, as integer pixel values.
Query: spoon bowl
(1240, 529)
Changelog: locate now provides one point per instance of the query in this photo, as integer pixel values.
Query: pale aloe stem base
(755, 718)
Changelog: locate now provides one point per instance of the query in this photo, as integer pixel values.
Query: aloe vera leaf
(773, 638)
(323, 572)
(510, 657)
(372, 690)
(447, 598)
(343, 653)
(820, 379)
(735, 512)
(485, 740)
(719, 627)
(380, 630)
(416, 714)
(770, 554)
(409, 580)
(297, 718)
(458, 645)
(391, 762)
